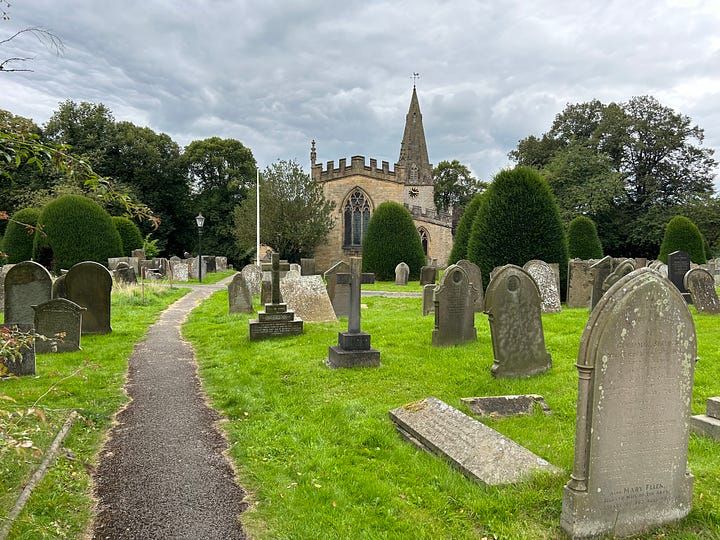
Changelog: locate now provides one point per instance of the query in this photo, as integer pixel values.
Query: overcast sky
(277, 74)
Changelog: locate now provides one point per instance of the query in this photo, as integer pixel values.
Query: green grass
(89, 381)
(412, 286)
(320, 458)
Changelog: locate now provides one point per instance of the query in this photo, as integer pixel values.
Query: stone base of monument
(275, 321)
(353, 350)
(709, 423)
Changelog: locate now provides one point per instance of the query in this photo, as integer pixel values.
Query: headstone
(253, 278)
(478, 451)
(138, 253)
(307, 267)
(353, 348)
(580, 284)
(475, 277)
(239, 297)
(621, 270)
(635, 379)
(428, 274)
(339, 293)
(124, 273)
(3, 271)
(209, 261)
(55, 317)
(512, 303)
(640, 262)
(180, 270)
(89, 285)
(402, 273)
(599, 271)
(678, 263)
(428, 299)
(546, 281)
(58, 286)
(454, 300)
(709, 423)
(266, 291)
(295, 267)
(24, 364)
(26, 284)
(701, 285)
(504, 406)
(221, 264)
(194, 269)
(307, 297)
(276, 320)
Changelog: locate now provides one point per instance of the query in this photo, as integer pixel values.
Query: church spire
(414, 165)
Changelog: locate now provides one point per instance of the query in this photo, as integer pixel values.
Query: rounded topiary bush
(130, 236)
(681, 234)
(462, 234)
(20, 235)
(583, 240)
(75, 229)
(392, 238)
(518, 220)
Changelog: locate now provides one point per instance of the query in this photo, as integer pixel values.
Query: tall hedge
(583, 240)
(462, 233)
(518, 220)
(681, 234)
(392, 238)
(19, 238)
(75, 229)
(130, 235)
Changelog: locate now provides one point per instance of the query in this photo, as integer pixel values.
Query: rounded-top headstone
(26, 284)
(89, 284)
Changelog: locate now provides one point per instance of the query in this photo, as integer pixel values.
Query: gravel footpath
(162, 472)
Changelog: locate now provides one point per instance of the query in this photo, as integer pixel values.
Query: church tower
(413, 168)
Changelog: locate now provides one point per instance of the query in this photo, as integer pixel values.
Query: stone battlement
(357, 167)
(428, 214)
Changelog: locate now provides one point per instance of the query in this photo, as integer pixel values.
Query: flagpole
(257, 213)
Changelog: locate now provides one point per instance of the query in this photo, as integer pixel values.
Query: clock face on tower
(414, 192)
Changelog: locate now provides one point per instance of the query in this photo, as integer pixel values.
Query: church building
(358, 188)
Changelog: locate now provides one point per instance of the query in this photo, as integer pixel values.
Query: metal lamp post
(200, 220)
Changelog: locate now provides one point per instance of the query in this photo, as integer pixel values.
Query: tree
(583, 240)
(19, 235)
(681, 234)
(454, 187)
(392, 238)
(462, 234)
(295, 217)
(130, 236)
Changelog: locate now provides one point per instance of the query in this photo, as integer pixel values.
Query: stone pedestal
(275, 321)
(708, 424)
(353, 350)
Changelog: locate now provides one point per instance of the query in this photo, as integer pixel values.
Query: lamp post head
(200, 220)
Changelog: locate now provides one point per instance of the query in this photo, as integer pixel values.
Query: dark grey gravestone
(475, 276)
(307, 267)
(58, 287)
(503, 406)
(307, 297)
(239, 297)
(276, 320)
(89, 284)
(124, 273)
(701, 285)
(454, 300)
(479, 452)
(708, 424)
(428, 275)
(26, 284)
(25, 363)
(512, 303)
(55, 317)
(579, 289)
(266, 291)
(353, 348)
(599, 271)
(546, 281)
(635, 379)
(210, 265)
(622, 269)
(402, 273)
(339, 293)
(253, 278)
(678, 264)
(428, 299)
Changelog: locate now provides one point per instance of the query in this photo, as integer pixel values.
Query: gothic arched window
(424, 239)
(356, 215)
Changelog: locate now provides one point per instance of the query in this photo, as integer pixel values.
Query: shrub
(392, 238)
(18, 239)
(681, 234)
(76, 229)
(130, 235)
(518, 220)
(583, 240)
(462, 234)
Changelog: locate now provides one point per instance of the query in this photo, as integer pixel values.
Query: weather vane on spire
(415, 77)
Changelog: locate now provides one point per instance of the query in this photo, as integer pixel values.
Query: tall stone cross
(355, 278)
(275, 267)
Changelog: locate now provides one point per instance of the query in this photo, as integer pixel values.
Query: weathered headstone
(599, 271)
(454, 300)
(253, 278)
(26, 284)
(209, 261)
(402, 273)
(428, 299)
(475, 277)
(276, 320)
(708, 423)
(194, 269)
(58, 286)
(478, 451)
(579, 291)
(307, 297)
(220, 264)
(239, 297)
(89, 285)
(678, 263)
(270, 292)
(3, 271)
(635, 379)
(179, 270)
(621, 270)
(428, 275)
(353, 348)
(24, 364)
(512, 303)
(701, 285)
(124, 273)
(55, 317)
(138, 254)
(307, 267)
(503, 406)
(546, 281)
(339, 293)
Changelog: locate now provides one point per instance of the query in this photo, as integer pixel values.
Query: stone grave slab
(580, 284)
(428, 299)
(502, 406)
(26, 284)
(454, 299)
(307, 297)
(89, 284)
(339, 293)
(546, 281)
(239, 297)
(678, 264)
(180, 270)
(621, 269)
(708, 424)
(475, 276)
(599, 271)
(194, 268)
(428, 274)
(307, 267)
(58, 316)
(402, 273)
(125, 274)
(221, 264)
(3, 271)
(478, 451)
(253, 278)
(25, 363)
(701, 285)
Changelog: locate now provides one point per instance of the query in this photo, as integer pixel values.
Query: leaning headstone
(55, 317)
(124, 273)
(402, 273)
(708, 423)
(475, 276)
(454, 300)
(26, 284)
(701, 286)
(307, 267)
(621, 270)
(635, 380)
(89, 285)
(678, 263)
(428, 299)
(253, 278)
(579, 290)
(512, 303)
(307, 297)
(221, 264)
(239, 297)
(478, 451)
(428, 275)
(546, 281)
(276, 320)
(24, 362)
(599, 271)
(339, 293)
